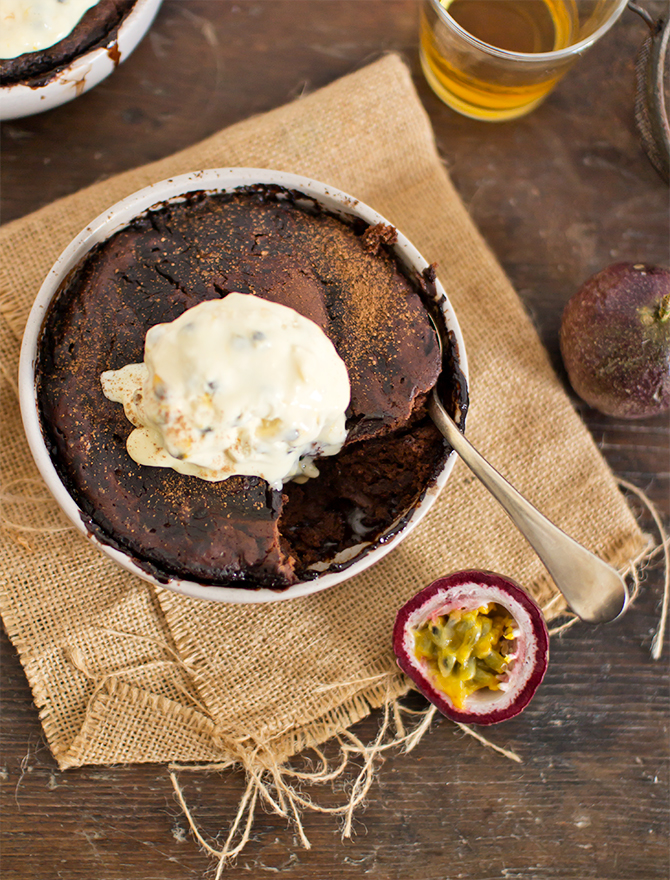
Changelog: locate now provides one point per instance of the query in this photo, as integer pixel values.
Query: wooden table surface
(557, 195)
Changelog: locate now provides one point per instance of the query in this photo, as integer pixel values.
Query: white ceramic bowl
(120, 215)
(84, 72)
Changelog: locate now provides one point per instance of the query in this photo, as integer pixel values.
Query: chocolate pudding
(97, 27)
(240, 531)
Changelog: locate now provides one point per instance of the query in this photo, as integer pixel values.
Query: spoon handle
(594, 590)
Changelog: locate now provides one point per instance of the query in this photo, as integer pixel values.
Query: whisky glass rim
(529, 57)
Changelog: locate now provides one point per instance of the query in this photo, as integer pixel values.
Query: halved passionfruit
(475, 644)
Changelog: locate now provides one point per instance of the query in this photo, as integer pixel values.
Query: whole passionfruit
(475, 644)
(615, 340)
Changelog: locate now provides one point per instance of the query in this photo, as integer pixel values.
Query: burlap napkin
(123, 672)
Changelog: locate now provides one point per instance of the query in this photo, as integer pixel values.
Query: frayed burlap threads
(280, 787)
(646, 557)
(30, 492)
(633, 573)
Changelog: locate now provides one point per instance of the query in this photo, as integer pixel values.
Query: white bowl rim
(18, 100)
(117, 217)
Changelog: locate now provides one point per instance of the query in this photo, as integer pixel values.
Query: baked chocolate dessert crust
(97, 27)
(239, 531)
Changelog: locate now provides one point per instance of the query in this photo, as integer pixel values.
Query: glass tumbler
(498, 59)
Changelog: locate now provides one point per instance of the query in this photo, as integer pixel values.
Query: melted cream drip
(33, 25)
(238, 385)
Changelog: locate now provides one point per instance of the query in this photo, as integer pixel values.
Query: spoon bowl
(593, 589)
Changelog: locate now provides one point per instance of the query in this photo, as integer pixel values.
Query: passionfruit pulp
(474, 644)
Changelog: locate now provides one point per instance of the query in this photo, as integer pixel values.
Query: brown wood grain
(557, 195)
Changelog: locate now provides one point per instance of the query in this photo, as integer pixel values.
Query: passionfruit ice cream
(235, 386)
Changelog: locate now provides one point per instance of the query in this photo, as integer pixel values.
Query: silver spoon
(594, 590)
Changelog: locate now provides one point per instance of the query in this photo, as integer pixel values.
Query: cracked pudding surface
(240, 532)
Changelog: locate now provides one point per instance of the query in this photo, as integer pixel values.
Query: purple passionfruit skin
(468, 590)
(615, 340)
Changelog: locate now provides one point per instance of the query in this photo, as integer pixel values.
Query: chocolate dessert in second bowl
(97, 26)
(273, 243)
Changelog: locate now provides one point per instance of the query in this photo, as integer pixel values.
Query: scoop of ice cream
(238, 385)
(33, 25)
